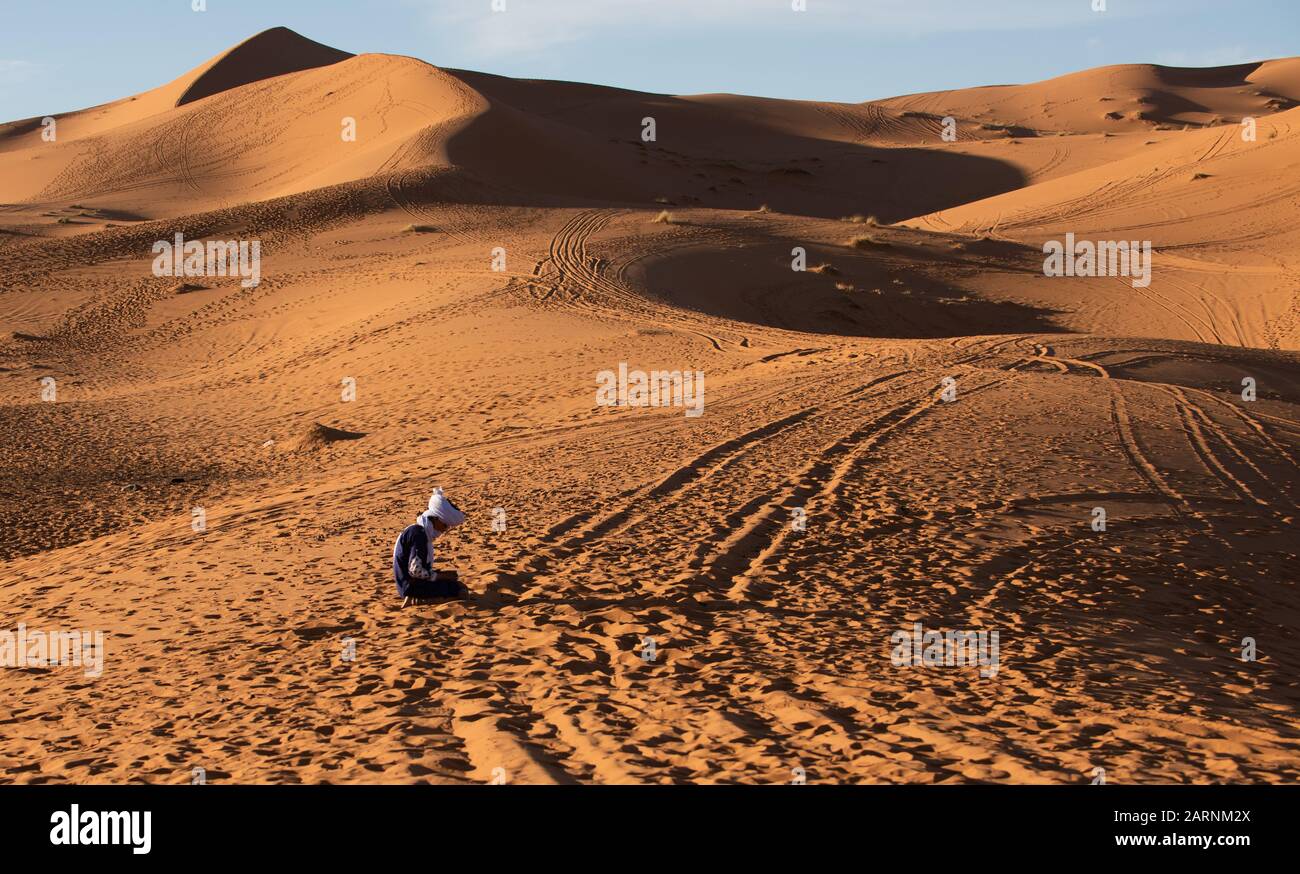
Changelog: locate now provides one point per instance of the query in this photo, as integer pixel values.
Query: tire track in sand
(1123, 422)
(591, 289)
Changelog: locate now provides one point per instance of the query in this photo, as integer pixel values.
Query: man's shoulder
(412, 532)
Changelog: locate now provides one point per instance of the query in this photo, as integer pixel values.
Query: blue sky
(59, 55)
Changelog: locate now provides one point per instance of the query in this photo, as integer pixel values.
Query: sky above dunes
(61, 56)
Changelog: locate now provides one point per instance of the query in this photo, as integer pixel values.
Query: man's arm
(418, 569)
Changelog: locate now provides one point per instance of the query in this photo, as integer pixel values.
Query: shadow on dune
(1222, 369)
(886, 292)
(563, 144)
(270, 53)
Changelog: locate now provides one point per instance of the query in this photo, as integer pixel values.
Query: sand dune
(1122, 98)
(247, 143)
(436, 299)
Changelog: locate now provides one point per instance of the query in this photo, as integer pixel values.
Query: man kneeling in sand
(413, 553)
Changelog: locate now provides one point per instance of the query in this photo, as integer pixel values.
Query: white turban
(444, 510)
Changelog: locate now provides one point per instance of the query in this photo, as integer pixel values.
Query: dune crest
(270, 53)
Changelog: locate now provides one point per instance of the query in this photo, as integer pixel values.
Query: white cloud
(528, 26)
(531, 26)
(15, 72)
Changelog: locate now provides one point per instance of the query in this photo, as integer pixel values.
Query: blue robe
(414, 541)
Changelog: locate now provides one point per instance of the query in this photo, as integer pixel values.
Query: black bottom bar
(640, 825)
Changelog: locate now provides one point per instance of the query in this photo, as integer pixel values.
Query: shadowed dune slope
(271, 53)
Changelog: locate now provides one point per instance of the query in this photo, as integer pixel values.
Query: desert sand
(227, 649)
